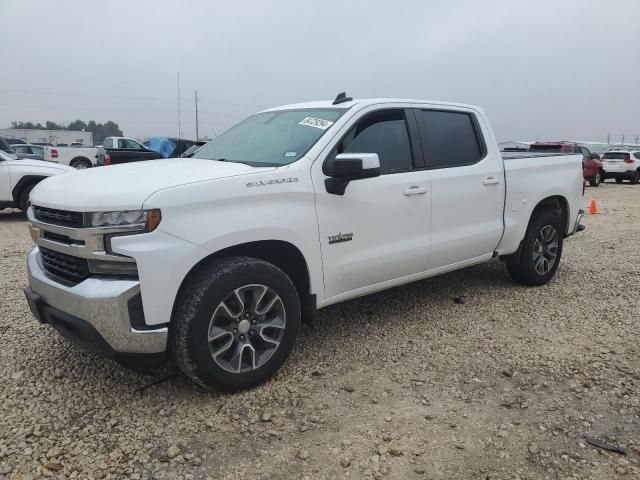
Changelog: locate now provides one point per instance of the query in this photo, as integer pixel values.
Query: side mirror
(347, 167)
(595, 156)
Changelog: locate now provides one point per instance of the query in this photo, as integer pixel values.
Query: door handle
(415, 191)
(491, 181)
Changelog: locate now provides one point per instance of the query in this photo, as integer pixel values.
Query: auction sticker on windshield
(316, 123)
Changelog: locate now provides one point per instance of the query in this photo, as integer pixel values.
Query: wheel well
(80, 159)
(283, 255)
(556, 202)
(23, 183)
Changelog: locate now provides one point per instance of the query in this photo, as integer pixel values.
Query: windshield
(616, 156)
(271, 138)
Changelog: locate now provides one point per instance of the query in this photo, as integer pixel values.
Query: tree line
(100, 131)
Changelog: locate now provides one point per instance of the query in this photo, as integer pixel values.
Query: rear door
(467, 186)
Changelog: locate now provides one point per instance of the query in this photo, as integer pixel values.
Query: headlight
(147, 220)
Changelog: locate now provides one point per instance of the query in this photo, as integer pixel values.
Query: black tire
(595, 181)
(80, 163)
(23, 198)
(635, 179)
(618, 179)
(521, 267)
(200, 298)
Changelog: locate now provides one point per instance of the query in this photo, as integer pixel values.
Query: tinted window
(383, 133)
(637, 155)
(108, 143)
(449, 139)
(615, 156)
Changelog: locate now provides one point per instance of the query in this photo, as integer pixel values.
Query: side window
(449, 139)
(128, 144)
(637, 155)
(585, 153)
(384, 133)
(108, 143)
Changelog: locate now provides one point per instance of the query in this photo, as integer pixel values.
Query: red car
(591, 163)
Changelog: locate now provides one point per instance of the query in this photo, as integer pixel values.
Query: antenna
(179, 120)
(197, 135)
(342, 98)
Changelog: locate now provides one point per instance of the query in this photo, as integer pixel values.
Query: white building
(54, 137)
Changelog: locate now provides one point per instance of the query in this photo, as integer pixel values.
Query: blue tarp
(162, 145)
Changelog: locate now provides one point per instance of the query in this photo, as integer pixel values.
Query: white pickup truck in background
(18, 176)
(87, 157)
(217, 260)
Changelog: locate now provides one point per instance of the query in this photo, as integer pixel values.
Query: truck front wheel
(540, 252)
(23, 198)
(235, 323)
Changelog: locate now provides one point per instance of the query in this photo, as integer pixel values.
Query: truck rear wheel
(80, 163)
(540, 251)
(235, 323)
(635, 178)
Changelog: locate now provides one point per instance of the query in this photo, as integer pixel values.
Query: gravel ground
(405, 384)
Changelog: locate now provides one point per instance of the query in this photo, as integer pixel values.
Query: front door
(5, 181)
(379, 229)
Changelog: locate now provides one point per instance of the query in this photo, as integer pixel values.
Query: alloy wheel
(246, 328)
(545, 249)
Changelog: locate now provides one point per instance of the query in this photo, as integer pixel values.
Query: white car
(217, 260)
(19, 176)
(622, 165)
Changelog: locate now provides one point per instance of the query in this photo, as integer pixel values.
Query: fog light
(113, 268)
(34, 232)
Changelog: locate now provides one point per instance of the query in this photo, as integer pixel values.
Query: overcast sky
(548, 69)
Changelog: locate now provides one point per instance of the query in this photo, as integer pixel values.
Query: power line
(125, 97)
(68, 107)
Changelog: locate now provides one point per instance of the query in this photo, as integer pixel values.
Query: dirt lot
(405, 384)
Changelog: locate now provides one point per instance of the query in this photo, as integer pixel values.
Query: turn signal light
(153, 219)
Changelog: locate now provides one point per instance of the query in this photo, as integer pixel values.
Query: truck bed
(530, 176)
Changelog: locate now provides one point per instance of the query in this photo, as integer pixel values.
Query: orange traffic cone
(593, 208)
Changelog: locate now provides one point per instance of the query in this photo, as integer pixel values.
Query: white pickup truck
(217, 260)
(87, 157)
(18, 176)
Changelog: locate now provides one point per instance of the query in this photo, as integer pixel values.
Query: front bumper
(95, 314)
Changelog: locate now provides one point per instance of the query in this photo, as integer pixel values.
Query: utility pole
(197, 135)
(179, 120)
(623, 139)
(608, 139)
(637, 138)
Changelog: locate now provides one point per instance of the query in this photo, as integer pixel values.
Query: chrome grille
(66, 267)
(59, 217)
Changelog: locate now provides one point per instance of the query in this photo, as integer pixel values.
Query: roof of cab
(364, 102)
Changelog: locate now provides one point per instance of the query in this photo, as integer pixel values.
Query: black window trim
(477, 130)
(417, 160)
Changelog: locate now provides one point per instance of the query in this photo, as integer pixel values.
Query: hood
(41, 164)
(127, 186)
